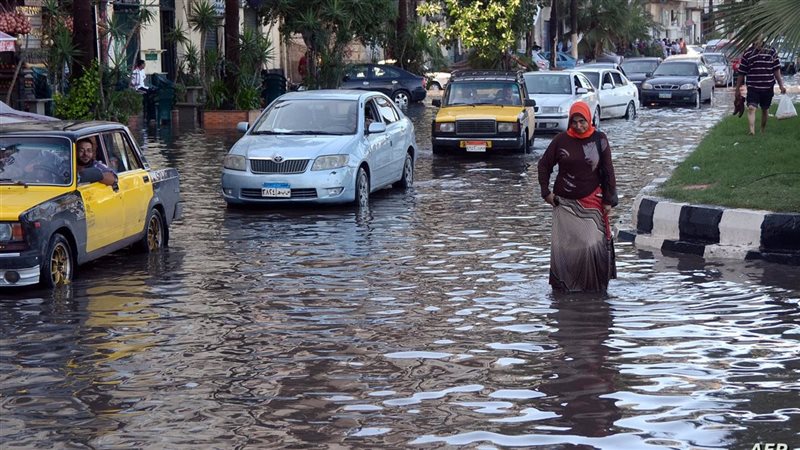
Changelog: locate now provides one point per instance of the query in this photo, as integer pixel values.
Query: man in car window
(86, 154)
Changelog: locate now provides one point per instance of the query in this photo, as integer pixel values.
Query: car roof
(483, 75)
(642, 58)
(548, 72)
(715, 54)
(68, 128)
(328, 94)
(684, 57)
(592, 69)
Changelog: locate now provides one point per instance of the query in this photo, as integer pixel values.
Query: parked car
(555, 93)
(638, 69)
(607, 56)
(601, 65)
(325, 146)
(54, 218)
(541, 62)
(679, 81)
(563, 60)
(483, 111)
(618, 97)
(400, 85)
(437, 81)
(694, 49)
(723, 73)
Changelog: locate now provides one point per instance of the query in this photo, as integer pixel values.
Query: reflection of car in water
(53, 218)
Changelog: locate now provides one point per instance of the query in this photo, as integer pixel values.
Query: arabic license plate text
(280, 190)
(664, 95)
(475, 146)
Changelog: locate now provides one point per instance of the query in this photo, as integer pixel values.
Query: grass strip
(733, 169)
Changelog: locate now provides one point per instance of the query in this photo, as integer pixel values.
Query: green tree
(613, 24)
(328, 27)
(490, 28)
(778, 21)
(203, 19)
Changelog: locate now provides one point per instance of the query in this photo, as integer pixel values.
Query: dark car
(685, 80)
(639, 69)
(400, 85)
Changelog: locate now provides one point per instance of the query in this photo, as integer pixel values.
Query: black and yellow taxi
(54, 217)
(483, 111)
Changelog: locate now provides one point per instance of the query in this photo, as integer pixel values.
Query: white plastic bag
(785, 108)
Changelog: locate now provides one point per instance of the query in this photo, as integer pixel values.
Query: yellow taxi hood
(491, 112)
(15, 200)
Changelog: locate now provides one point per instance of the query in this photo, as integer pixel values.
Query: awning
(9, 115)
(7, 42)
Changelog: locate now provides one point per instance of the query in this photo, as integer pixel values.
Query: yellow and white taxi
(483, 111)
(53, 218)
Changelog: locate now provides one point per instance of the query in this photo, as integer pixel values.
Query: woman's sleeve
(608, 165)
(545, 167)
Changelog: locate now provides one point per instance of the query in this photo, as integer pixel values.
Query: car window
(548, 84)
(679, 69)
(370, 114)
(359, 72)
(607, 79)
(618, 79)
(386, 110)
(385, 72)
(585, 83)
(305, 116)
(121, 156)
(35, 160)
(594, 78)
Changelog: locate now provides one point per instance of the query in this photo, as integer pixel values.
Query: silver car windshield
(639, 66)
(548, 84)
(309, 117)
(715, 59)
(35, 161)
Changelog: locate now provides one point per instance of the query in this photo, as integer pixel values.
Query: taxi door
(135, 185)
(104, 223)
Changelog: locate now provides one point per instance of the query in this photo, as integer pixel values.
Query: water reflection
(582, 378)
(425, 321)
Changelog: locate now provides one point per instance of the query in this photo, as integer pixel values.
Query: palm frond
(777, 21)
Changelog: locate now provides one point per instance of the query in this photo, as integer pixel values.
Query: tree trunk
(82, 36)
(573, 24)
(232, 44)
(400, 31)
(554, 19)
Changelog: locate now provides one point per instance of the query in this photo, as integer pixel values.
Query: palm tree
(83, 36)
(231, 42)
(203, 19)
(773, 19)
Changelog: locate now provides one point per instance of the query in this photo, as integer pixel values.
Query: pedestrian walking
(682, 46)
(581, 247)
(761, 68)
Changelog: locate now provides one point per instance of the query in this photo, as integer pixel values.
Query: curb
(712, 231)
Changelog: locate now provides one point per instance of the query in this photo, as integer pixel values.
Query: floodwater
(426, 322)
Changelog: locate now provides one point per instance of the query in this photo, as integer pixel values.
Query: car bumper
(676, 96)
(324, 186)
(418, 95)
(720, 79)
(493, 143)
(19, 269)
(545, 123)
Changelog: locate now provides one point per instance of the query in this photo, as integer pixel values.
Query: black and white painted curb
(712, 231)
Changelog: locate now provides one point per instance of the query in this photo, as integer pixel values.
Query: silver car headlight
(687, 86)
(647, 86)
(551, 109)
(507, 127)
(235, 162)
(5, 232)
(447, 127)
(329, 162)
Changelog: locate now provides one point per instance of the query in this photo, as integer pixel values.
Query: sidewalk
(714, 231)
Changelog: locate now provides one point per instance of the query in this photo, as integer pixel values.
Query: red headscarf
(581, 109)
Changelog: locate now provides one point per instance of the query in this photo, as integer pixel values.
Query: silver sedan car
(325, 146)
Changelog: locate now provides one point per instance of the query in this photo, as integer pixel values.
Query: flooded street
(426, 322)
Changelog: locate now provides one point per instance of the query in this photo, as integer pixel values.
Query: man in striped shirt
(761, 66)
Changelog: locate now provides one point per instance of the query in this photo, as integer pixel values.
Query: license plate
(280, 190)
(665, 95)
(476, 146)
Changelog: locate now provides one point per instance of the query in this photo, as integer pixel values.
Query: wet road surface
(426, 322)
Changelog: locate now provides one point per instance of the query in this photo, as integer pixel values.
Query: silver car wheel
(697, 100)
(401, 99)
(362, 188)
(630, 113)
(408, 172)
